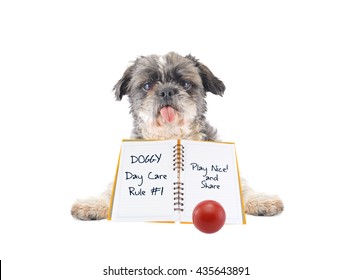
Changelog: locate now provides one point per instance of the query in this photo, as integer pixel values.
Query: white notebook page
(210, 173)
(144, 187)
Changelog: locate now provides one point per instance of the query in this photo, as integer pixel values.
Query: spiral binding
(178, 165)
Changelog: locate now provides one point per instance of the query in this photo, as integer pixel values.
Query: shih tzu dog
(167, 96)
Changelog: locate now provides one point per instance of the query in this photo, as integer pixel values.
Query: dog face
(167, 96)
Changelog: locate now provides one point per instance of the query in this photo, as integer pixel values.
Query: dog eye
(148, 86)
(186, 85)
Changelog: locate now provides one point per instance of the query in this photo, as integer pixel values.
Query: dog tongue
(168, 114)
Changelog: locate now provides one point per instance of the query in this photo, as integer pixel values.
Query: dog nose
(167, 92)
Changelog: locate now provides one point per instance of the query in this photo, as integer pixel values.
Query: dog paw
(90, 210)
(264, 205)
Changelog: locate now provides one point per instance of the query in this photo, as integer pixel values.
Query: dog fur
(167, 95)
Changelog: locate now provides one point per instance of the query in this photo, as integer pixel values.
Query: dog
(167, 95)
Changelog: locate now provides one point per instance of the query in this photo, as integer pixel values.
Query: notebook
(163, 180)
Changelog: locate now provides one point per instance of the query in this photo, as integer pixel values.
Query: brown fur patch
(263, 205)
(84, 210)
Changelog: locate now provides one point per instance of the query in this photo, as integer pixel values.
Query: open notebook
(163, 180)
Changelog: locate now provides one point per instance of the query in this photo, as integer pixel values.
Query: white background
(287, 69)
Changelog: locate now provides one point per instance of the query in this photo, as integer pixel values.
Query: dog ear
(122, 86)
(210, 82)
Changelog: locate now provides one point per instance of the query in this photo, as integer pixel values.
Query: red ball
(209, 216)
